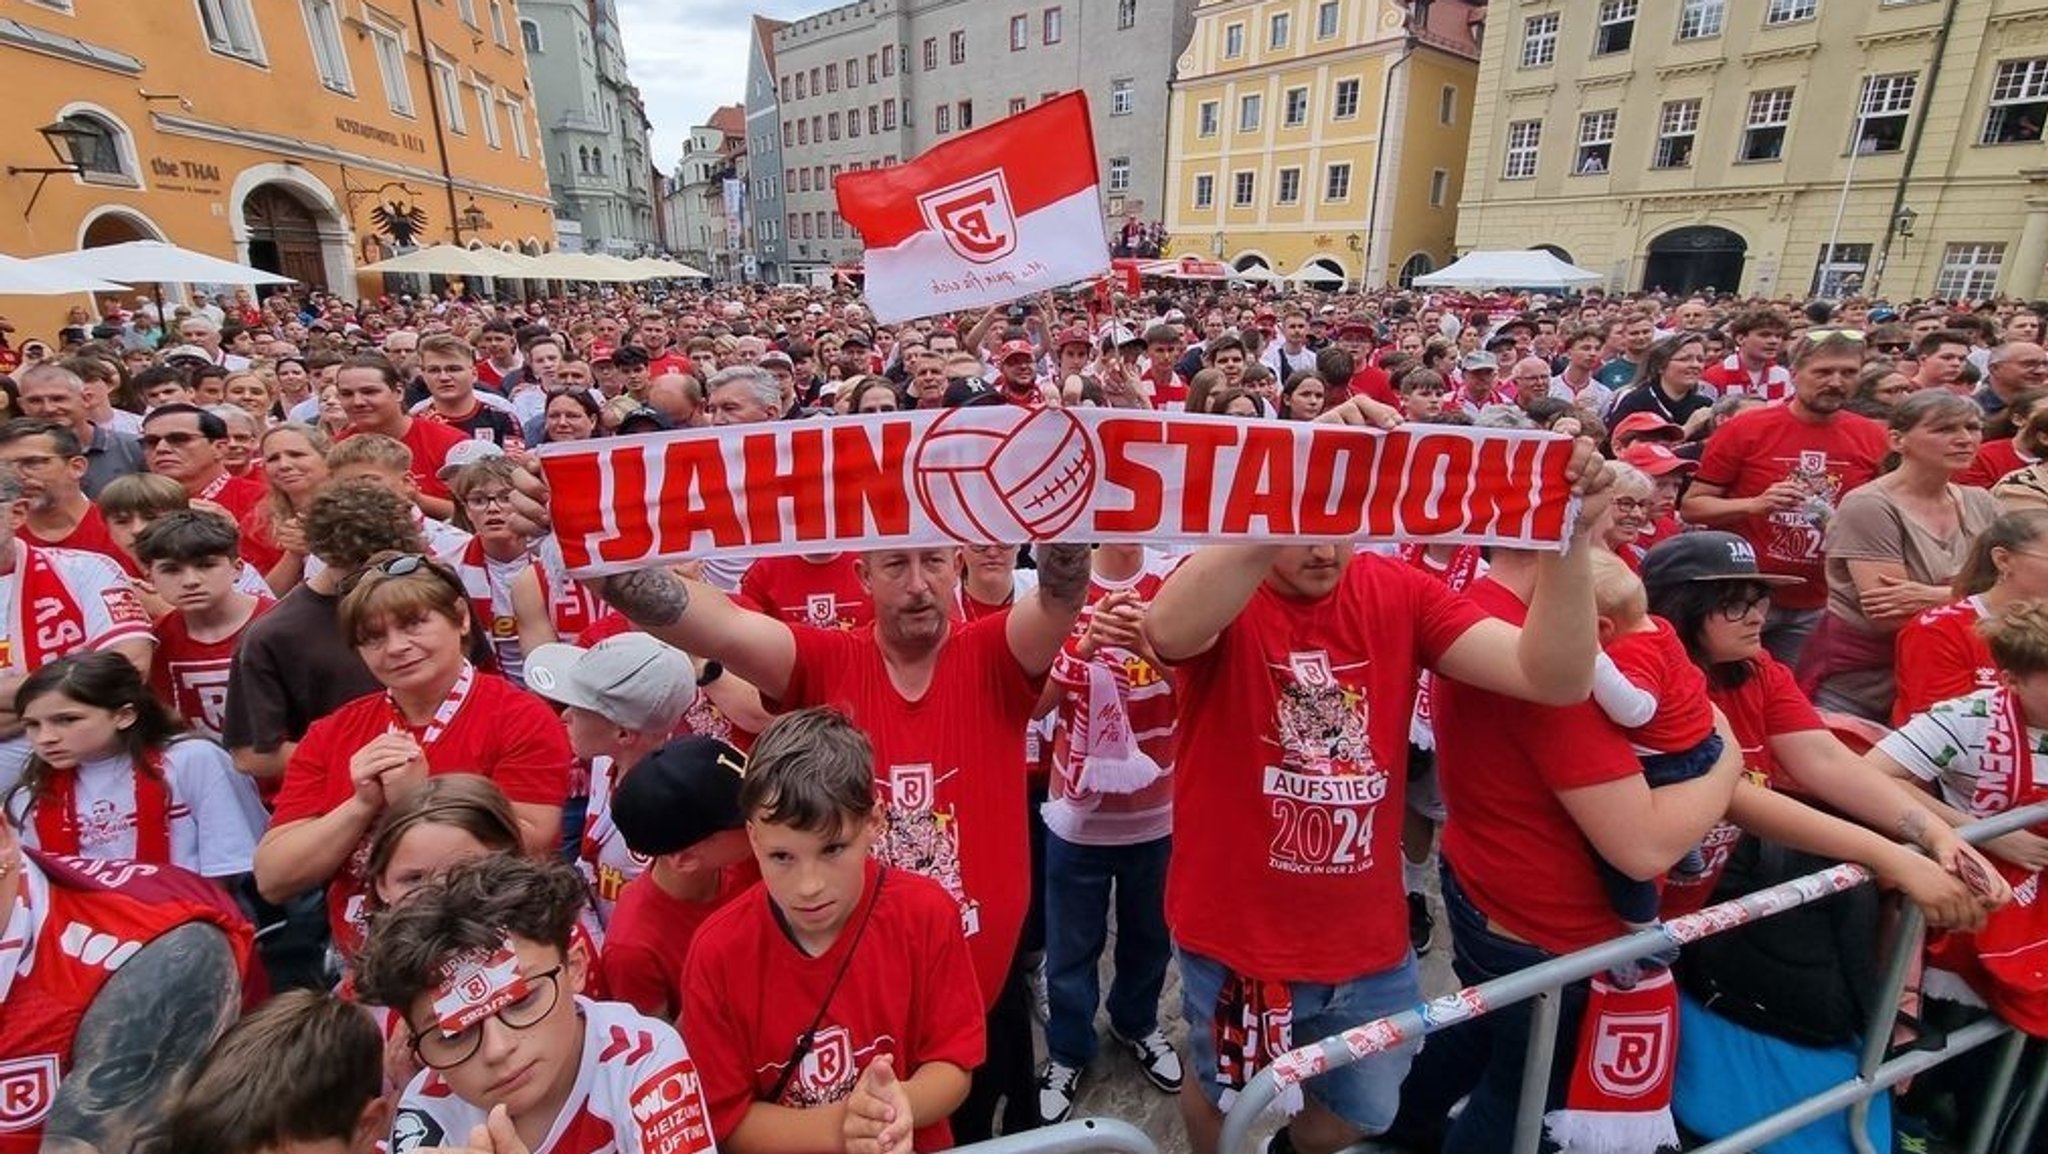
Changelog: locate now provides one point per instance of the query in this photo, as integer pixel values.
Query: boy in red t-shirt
(834, 1004)
(679, 809)
(194, 559)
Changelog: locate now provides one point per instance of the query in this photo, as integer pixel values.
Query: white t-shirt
(107, 615)
(637, 1092)
(1945, 745)
(215, 814)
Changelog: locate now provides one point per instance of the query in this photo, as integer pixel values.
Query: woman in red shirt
(1940, 653)
(409, 619)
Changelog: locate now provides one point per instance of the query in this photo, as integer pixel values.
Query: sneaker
(1057, 1085)
(1421, 924)
(1041, 1000)
(1156, 1058)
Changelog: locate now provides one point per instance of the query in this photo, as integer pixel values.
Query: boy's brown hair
(810, 770)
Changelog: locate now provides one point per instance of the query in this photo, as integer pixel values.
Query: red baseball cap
(600, 351)
(1656, 458)
(1072, 336)
(1015, 349)
(1648, 425)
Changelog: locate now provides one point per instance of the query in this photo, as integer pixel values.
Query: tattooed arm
(703, 622)
(1039, 623)
(148, 1025)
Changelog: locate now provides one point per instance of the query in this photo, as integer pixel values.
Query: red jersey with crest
(827, 594)
(1941, 655)
(950, 768)
(74, 924)
(749, 994)
(636, 1092)
(192, 675)
(1293, 762)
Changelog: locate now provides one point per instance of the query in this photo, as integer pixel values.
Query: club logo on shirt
(910, 787)
(923, 837)
(1323, 782)
(412, 1129)
(830, 1062)
(1312, 669)
(27, 1088)
(821, 610)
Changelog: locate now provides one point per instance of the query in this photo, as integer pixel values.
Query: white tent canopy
(28, 278)
(450, 260)
(153, 260)
(1509, 268)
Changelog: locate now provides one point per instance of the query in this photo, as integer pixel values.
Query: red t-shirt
(1761, 447)
(1941, 656)
(1293, 766)
(827, 594)
(1502, 763)
(649, 936)
(750, 993)
(670, 363)
(949, 768)
(1994, 460)
(500, 732)
(1656, 661)
(238, 495)
(1734, 380)
(1371, 382)
(192, 675)
(90, 535)
(1767, 704)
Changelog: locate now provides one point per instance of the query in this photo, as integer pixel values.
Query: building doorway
(284, 236)
(1687, 260)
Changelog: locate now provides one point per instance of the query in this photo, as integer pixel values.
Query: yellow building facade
(1322, 138)
(307, 137)
(1769, 147)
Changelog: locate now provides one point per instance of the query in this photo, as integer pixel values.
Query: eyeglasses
(439, 1051)
(1738, 605)
(489, 500)
(1629, 504)
(175, 440)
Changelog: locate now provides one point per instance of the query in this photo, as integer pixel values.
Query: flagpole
(1842, 202)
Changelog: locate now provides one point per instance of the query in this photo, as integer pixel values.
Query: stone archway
(1687, 260)
(281, 215)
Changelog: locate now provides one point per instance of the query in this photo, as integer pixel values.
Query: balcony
(576, 120)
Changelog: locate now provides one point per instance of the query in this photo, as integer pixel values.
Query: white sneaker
(1156, 1058)
(1058, 1083)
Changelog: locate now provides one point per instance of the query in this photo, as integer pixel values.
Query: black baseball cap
(679, 795)
(1706, 555)
(969, 393)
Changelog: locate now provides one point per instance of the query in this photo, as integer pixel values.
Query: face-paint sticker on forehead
(476, 984)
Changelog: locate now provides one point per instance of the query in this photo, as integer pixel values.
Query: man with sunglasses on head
(484, 972)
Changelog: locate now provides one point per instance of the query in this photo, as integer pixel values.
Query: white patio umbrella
(153, 260)
(583, 266)
(20, 277)
(450, 260)
(1257, 272)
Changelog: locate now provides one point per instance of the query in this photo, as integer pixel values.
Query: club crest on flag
(974, 216)
(1631, 1053)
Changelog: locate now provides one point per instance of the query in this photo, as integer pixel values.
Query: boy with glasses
(480, 967)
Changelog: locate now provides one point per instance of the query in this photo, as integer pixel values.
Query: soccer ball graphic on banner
(1004, 475)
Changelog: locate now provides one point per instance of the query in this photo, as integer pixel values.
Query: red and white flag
(997, 214)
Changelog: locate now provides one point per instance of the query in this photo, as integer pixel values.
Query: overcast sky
(690, 56)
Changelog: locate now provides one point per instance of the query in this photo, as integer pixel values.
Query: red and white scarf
(58, 828)
(2011, 951)
(48, 622)
(1460, 572)
(1619, 1101)
(444, 714)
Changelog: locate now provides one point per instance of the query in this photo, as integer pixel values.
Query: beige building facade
(1768, 147)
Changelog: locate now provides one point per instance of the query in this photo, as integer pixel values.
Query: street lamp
(68, 140)
(1353, 242)
(473, 218)
(1902, 221)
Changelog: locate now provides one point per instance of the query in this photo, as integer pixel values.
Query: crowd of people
(340, 817)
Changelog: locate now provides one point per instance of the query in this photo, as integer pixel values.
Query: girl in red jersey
(1941, 654)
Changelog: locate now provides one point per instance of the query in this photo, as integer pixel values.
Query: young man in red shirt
(833, 1007)
(1297, 669)
(1775, 475)
(193, 559)
(374, 399)
(1752, 370)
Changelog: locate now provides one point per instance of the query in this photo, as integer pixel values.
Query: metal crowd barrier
(1081, 1136)
(1544, 983)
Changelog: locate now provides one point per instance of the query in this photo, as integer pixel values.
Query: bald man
(678, 397)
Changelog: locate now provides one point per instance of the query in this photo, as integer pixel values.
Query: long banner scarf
(1619, 1100)
(59, 829)
(1463, 567)
(1006, 475)
(2011, 951)
(47, 620)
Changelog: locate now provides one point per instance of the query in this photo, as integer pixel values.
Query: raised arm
(703, 622)
(1040, 622)
(1203, 595)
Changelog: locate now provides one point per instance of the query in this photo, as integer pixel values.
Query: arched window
(99, 149)
(1415, 266)
(582, 159)
(529, 34)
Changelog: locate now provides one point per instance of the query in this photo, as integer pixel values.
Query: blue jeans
(1482, 1056)
(1078, 879)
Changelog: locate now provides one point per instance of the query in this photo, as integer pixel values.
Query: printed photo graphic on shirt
(1324, 783)
(414, 1129)
(475, 984)
(923, 837)
(669, 1110)
(27, 1088)
(1796, 533)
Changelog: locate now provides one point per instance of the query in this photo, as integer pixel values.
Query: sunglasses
(403, 565)
(175, 440)
(1855, 335)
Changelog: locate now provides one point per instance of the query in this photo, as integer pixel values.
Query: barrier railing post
(1543, 1018)
(2008, 1063)
(1082, 1136)
(2029, 1115)
(1884, 1014)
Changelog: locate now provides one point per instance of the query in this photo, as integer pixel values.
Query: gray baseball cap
(631, 680)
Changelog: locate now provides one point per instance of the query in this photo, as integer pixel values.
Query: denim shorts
(1365, 1094)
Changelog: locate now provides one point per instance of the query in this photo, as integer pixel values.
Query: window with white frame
(1337, 181)
(1439, 187)
(1524, 138)
(1969, 271)
(1841, 269)
(942, 119)
(230, 27)
(1051, 26)
(487, 111)
(956, 48)
(450, 92)
(1244, 186)
(1616, 31)
(1789, 11)
(498, 24)
(1020, 33)
(1295, 108)
(1278, 29)
(1205, 190)
(1017, 105)
(101, 149)
(1119, 174)
(1701, 19)
(1287, 186)
(1206, 115)
(1763, 131)
(1539, 40)
(2019, 102)
(529, 35)
(1250, 108)
(467, 8)
(323, 31)
(1678, 127)
(1121, 95)
(1326, 19)
(515, 115)
(1344, 102)
(1126, 14)
(1233, 41)
(1884, 110)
